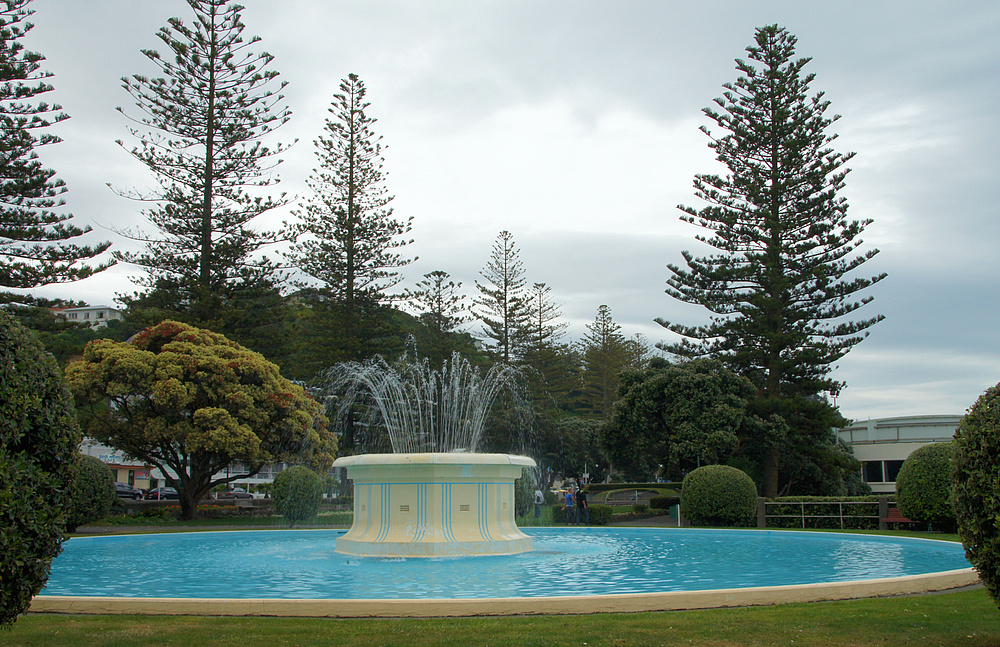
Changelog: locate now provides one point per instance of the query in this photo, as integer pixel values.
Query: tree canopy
(778, 291)
(200, 130)
(193, 403)
(34, 238)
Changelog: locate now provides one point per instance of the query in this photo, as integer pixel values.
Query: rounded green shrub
(719, 495)
(298, 491)
(975, 493)
(38, 440)
(91, 491)
(923, 486)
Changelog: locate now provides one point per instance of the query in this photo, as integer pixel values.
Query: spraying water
(421, 409)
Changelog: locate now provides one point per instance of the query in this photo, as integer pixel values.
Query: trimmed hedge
(976, 495)
(664, 502)
(719, 495)
(923, 486)
(91, 492)
(298, 492)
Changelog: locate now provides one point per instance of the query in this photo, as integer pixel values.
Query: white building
(95, 316)
(884, 443)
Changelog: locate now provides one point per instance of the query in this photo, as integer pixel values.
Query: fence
(825, 514)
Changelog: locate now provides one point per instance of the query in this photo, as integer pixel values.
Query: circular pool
(608, 564)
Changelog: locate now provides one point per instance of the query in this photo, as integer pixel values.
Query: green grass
(967, 618)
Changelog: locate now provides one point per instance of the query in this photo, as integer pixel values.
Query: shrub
(640, 508)
(976, 495)
(91, 492)
(664, 502)
(38, 440)
(719, 495)
(923, 486)
(298, 492)
(600, 515)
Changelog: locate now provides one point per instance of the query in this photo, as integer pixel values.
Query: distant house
(95, 316)
(883, 444)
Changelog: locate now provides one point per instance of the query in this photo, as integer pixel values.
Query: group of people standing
(575, 505)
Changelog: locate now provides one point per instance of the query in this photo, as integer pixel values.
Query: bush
(91, 492)
(298, 492)
(976, 495)
(923, 486)
(38, 440)
(664, 502)
(719, 495)
(600, 515)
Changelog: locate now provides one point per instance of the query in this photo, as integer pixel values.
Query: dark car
(126, 491)
(162, 493)
(238, 493)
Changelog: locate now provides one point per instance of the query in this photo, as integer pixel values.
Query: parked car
(158, 493)
(237, 493)
(126, 491)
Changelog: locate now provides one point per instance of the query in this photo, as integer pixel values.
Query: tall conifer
(778, 291)
(34, 247)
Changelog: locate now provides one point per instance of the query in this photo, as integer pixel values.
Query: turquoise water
(290, 564)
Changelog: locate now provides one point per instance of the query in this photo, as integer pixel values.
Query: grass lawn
(967, 618)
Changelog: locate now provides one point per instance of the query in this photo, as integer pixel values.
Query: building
(883, 444)
(95, 316)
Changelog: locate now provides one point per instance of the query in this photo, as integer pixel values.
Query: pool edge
(620, 603)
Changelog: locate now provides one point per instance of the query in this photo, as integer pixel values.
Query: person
(539, 500)
(569, 505)
(582, 511)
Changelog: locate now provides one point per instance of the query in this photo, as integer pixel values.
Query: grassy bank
(966, 618)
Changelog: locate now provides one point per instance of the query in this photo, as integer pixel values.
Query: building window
(892, 470)
(871, 472)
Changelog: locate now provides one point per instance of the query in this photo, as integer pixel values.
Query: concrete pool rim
(554, 605)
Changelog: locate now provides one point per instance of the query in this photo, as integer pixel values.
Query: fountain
(434, 495)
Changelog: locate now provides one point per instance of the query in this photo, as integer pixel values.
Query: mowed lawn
(968, 618)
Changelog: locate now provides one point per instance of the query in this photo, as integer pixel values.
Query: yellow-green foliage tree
(193, 403)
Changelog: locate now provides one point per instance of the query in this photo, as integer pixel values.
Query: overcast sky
(574, 125)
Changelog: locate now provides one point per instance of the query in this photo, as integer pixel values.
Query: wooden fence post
(761, 512)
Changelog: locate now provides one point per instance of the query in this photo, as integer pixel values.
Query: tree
(34, 247)
(502, 304)
(201, 134)
(39, 435)
(605, 356)
(976, 497)
(778, 291)
(193, 403)
(351, 236)
(678, 417)
(441, 308)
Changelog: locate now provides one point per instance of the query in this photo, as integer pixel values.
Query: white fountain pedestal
(434, 504)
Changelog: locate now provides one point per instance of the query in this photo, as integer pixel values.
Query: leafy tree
(502, 303)
(975, 475)
(605, 356)
(678, 417)
(39, 435)
(778, 290)
(34, 247)
(298, 492)
(441, 308)
(923, 486)
(351, 236)
(91, 491)
(193, 403)
(200, 131)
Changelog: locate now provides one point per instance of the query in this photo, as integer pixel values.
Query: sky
(575, 126)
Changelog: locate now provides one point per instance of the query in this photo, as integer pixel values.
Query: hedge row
(818, 512)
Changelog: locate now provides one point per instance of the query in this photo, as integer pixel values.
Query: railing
(839, 510)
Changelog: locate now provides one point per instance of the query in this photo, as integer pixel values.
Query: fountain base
(433, 505)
